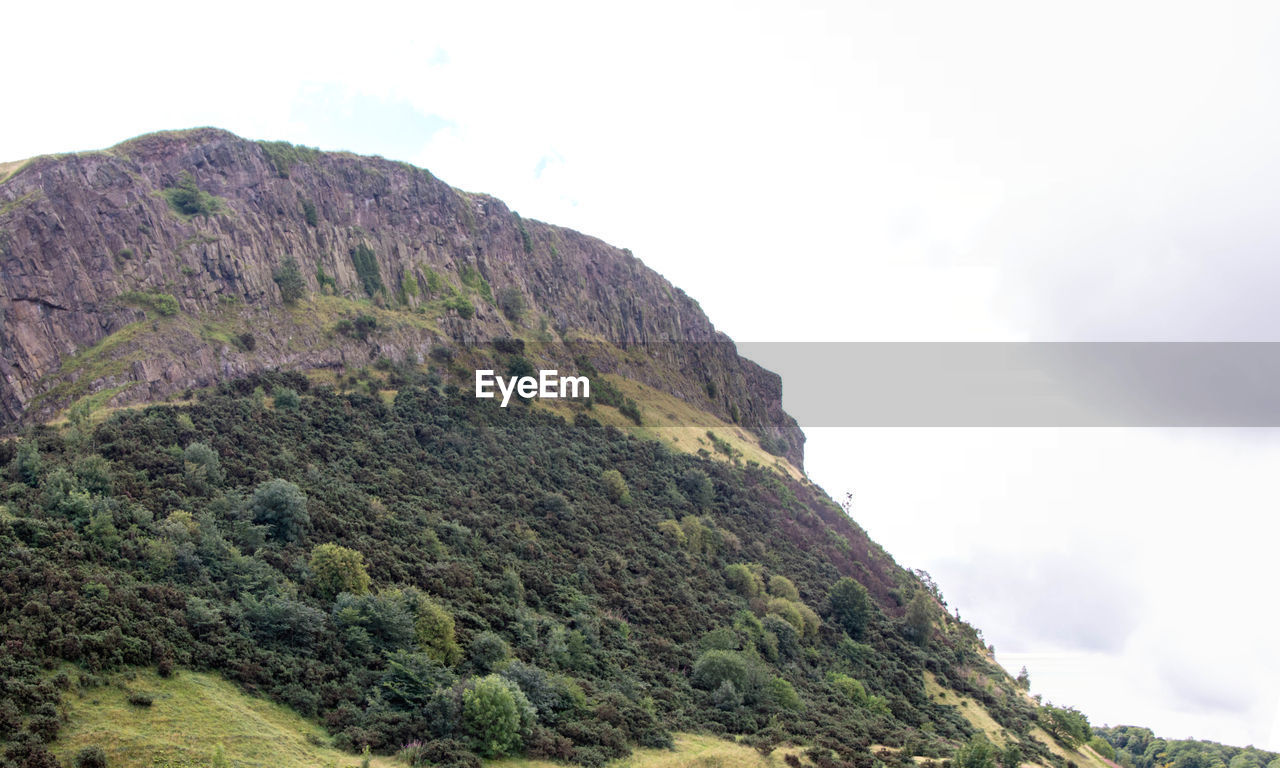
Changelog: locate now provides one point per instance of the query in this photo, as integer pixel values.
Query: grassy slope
(192, 714)
(692, 751)
(195, 712)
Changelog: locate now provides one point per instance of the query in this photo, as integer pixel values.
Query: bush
(163, 304)
(366, 264)
(91, 757)
(282, 506)
(336, 569)
(511, 302)
(781, 586)
(309, 213)
(189, 200)
(139, 699)
(742, 579)
(285, 398)
(461, 305)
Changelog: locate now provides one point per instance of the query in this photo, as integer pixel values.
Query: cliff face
(88, 241)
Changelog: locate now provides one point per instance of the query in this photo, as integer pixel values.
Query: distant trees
(281, 506)
(1023, 680)
(850, 606)
(336, 569)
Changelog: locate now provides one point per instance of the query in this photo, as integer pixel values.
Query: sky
(846, 171)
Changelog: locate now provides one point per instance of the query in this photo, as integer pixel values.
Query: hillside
(248, 473)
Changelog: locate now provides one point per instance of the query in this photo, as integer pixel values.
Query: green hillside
(504, 581)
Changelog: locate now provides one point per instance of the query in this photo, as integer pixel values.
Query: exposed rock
(86, 238)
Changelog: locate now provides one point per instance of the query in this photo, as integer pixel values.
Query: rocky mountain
(154, 266)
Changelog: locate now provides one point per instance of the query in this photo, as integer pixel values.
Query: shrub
(366, 264)
(783, 694)
(742, 579)
(163, 304)
(511, 302)
(189, 200)
(139, 699)
(282, 506)
(91, 757)
(781, 586)
(285, 398)
(309, 212)
(336, 569)
(461, 305)
(289, 279)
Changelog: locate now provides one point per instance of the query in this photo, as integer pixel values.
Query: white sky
(846, 171)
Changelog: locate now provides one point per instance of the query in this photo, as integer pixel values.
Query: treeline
(443, 578)
(1134, 747)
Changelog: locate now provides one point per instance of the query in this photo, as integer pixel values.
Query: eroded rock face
(81, 234)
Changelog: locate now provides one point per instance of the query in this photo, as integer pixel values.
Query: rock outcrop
(93, 244)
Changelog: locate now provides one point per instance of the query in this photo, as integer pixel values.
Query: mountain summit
(213, 239)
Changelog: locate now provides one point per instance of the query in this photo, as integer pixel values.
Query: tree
(487, 651)
(434, 632)
(282, 506)
(976, 753)
(919, 618)
(1024, 679)
(496, 713)
(615, 487)
(850, 606)
(336, 569)
(289, 279)
(697, 487)
(742, 579)
(781, 586)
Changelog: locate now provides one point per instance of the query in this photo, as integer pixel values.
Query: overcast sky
(847, 171)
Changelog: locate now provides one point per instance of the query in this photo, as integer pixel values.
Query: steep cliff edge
(93, 245)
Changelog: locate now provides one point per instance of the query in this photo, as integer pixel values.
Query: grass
(684, 427)
(192, 714)
(969, 708)
(692, 751)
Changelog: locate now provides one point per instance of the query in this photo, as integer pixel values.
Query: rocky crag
(155, 266)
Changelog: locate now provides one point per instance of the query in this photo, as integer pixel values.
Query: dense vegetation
(1135, 747)
(438, 574)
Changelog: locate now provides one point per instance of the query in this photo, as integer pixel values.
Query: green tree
(493, 713)
(27, 462)
(976, 753)
(615, 486)
(289, 279)
(282, 506)
(742, 579)
(850, 606)
(919, 618)
(433, 630)
(781, 586)
(336, 569)
(487, 651)
(1023, 680)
